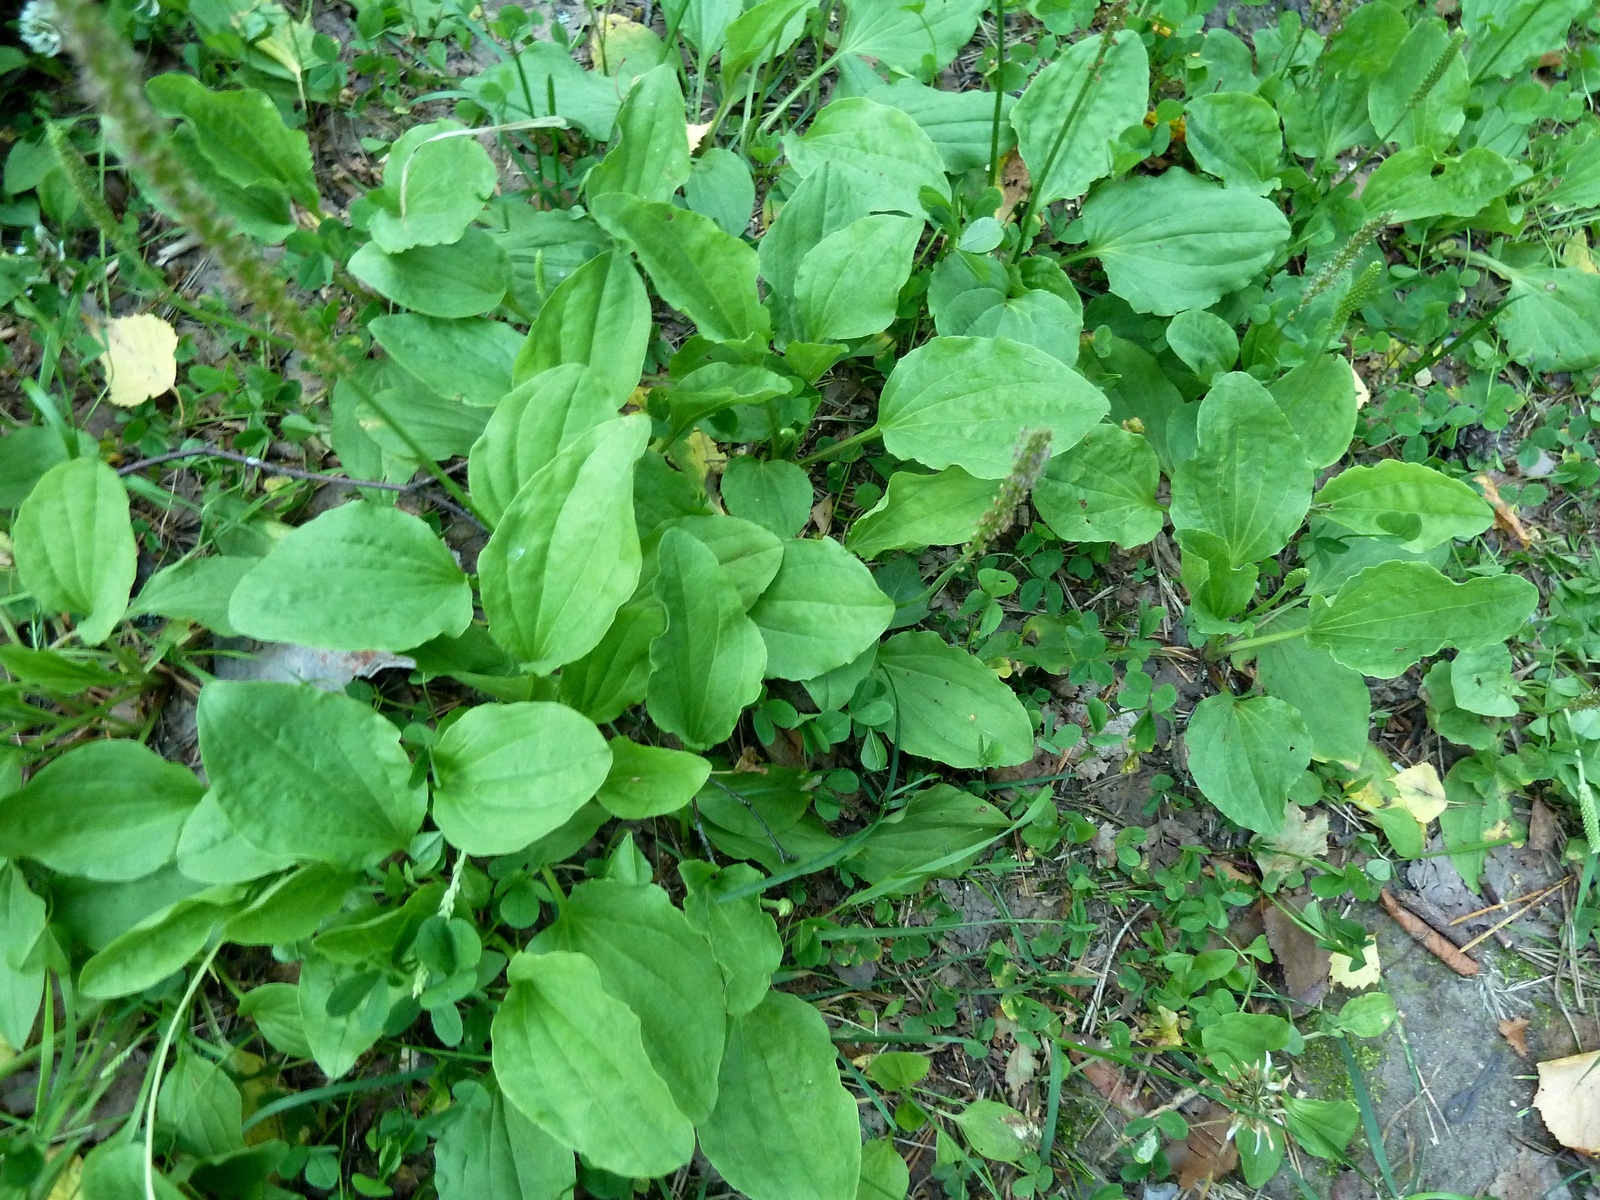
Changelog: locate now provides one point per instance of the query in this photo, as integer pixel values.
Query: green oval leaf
(699, 270)
(435, 183)
(966, 401)
(1394, 614)
(650, 959)
(1248, 482)
(463, 279)
(490, 1151)
(1092, 107)
(952, 708)
(309, 774)
(510, 773)
(650, 781)
(362, 576)
(709, 662)
(879, 155)
(109, 810)
(1172, 241)
(1245, 755)
(1369, 500)
(534, 422)
(650, 158)
(821, 610)
(565, 556)
(571, 1057)
(74, 548)
(599, 318)
(1103, 489)
(848, 285)
(784, 1127)
(942, 509)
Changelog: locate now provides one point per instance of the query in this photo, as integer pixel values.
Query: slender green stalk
(1114, 22)
(1429, 82)
(1265, 639)
(837, 448)
(821, 69)
(158, 1064)
(999, 92)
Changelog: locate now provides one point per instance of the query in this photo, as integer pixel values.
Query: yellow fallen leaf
(1420, 792)
(1363, 394)
(69, 1184)
(1302, 841)
(1343, 973)
(1569, 1100)
(697, 132)
(140, 359)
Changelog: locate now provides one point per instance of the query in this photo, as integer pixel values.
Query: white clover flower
(37, 25)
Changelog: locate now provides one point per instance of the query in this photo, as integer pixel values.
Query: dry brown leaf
(1505, 517)
(822, 515)
(1515, 1033)
(1544, 828)
(1304, 963)
(1109, 1081)
(140, 359)
(1569, 1100)
(1015, 184)
(1208, 1153)
(1021, 1067)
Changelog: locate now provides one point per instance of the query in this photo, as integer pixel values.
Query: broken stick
(1431, 939)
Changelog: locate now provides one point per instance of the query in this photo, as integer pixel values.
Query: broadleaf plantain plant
(625, 623)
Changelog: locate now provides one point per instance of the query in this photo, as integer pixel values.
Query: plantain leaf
(570, 1056)
(699, 270)
(565, 555)
(942, 509)
(599, 318)
(820, 611)
(362, 576)
(650, 781)
(744, 937)
(309, 774)
(1103, 489)
(534, 422)
(1245, 755)
(910, 39)
(1172, 241)
(650, 158)
(952, 708)
(490, 1151)
(508, 774)
(74, 548)
(709, 662)
(1417, 504)
(784, 1127)
(110, 810)
(878, 153)
(848, 285)
(1248, 482)
(1089, 107)
(966, 401)
(1394, 614)
(650, 958)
